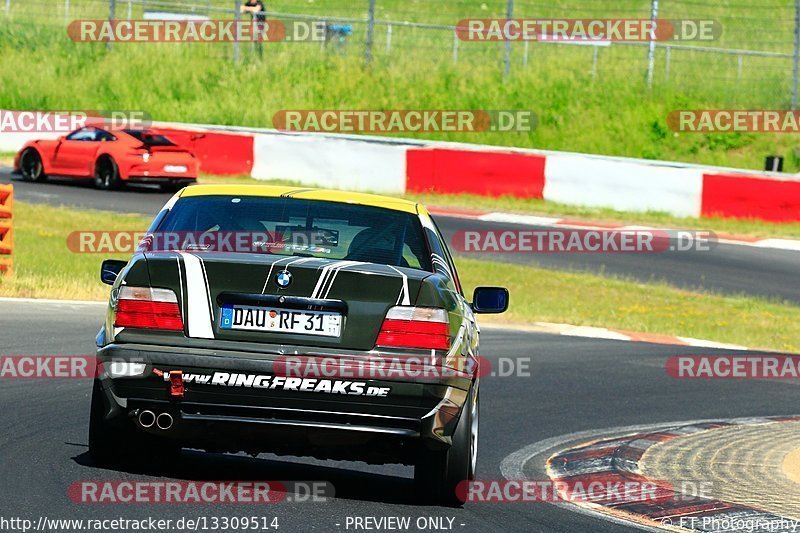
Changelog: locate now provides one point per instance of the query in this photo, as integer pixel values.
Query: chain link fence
(754, 60)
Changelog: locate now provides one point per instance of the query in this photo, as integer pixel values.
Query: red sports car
(111, 158)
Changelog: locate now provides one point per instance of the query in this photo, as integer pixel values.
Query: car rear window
(149, 139)
(308, 228)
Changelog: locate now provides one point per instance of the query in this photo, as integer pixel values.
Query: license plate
(253, 318)
(174, 168)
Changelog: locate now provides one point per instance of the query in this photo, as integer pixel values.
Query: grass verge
(543, 295)
(43, 265)
(45, 268)
(587, 99)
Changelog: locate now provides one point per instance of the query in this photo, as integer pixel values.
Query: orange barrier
(6, 229)
(6, 200)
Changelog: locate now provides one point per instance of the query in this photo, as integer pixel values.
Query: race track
(726, 269)
(575, 385)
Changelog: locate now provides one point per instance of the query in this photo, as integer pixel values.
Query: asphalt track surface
(726, 269)
(574, 385)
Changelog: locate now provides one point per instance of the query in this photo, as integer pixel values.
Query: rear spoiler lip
(286, 302)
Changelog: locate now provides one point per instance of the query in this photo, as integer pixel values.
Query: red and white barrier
(394, 166)
(485, 173)
(337, 163)
(767, 197)
(14, 140)
(623, 185)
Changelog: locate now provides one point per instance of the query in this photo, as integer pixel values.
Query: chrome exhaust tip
(164, 421)
(147, 419)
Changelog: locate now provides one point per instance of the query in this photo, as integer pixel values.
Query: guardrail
(6, 229)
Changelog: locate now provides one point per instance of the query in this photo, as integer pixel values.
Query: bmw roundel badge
(283, 279)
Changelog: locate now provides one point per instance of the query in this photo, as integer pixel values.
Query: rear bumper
(222, 417)
(157, 169)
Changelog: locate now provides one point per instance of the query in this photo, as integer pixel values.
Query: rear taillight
(415, 327)
(147, 308)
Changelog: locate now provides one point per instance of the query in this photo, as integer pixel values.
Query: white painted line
(779, 244)
(50, 301)
(699, 343)
(527, 220)
(591, 332)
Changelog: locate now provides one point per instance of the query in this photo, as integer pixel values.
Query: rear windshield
(307, 228)
(149, 139)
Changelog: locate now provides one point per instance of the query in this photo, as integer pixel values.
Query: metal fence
(755, 59)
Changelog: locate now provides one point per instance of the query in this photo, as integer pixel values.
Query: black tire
(106, 443)
(31, 167)
(123, 443)
(106, 174)
(437, 474)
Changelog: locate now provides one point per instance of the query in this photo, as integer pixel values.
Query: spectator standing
(258, 14)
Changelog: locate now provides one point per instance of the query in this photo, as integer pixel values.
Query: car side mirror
(110, 270)
(490, 300)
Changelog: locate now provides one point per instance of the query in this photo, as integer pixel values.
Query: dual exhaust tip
(162, 421)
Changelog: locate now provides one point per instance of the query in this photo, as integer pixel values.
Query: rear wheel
(106, 174)
(123, 443)
(438, 473)
(31, 167)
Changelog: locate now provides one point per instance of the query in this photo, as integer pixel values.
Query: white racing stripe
(404, 296)
(326, 271)
(336, 273)
(208, 289)
(198, 299)
(438, 261)
(322, 276)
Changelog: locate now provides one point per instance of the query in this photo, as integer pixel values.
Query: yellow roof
(328, 195)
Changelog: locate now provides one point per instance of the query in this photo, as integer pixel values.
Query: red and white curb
(565, 223)
(617, 459)
(591, 332)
